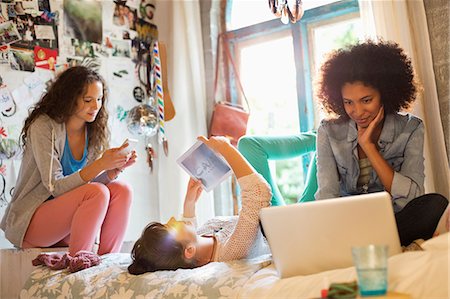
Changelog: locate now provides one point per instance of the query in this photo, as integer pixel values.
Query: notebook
(316, 236)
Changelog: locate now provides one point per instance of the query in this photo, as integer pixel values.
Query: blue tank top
(69, 163)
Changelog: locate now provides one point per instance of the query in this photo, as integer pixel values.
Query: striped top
(365, 170)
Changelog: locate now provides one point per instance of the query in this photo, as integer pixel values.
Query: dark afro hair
(380, 65)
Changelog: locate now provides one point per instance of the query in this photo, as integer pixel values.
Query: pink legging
(76, 217)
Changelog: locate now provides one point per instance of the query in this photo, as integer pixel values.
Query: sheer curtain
(404, 22)
(180, 28)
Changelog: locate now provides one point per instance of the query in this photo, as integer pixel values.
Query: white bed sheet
(421, 274)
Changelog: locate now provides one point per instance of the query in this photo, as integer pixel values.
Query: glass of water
(371, 267)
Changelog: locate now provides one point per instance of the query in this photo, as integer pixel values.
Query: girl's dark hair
(60, 102)
(156, 250)
(380, 65)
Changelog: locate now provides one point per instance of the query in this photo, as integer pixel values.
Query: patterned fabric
(111, 280)
(236, 239)
(365, 171)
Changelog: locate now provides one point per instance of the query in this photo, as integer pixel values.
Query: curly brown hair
(60, 101)
(381, 65)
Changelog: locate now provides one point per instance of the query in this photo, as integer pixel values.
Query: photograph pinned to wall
(82, 48)
(25, 27)
(47, 30)
(8, 33)
(18, 8)
(7, 104)
(101, 50)
(44, 32)
(129, 34)
(30, 6)
(3, 12)
(21, 59)
(11, 11)
(124, 16)
(45, 58)
(121, 48)
(4, 55)
(44, 5)
(147, 10)
(81, 25)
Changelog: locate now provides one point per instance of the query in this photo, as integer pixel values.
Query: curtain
(181, 31)
(404, 21)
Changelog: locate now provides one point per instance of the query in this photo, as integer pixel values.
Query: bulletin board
(40, 38)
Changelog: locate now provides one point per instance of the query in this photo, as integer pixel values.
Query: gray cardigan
(40, 176)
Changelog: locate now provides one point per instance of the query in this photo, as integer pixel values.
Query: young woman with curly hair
(365, 144)
(66, 190)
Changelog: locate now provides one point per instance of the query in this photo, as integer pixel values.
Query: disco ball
(142, 120)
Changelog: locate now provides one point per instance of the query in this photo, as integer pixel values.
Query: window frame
(302, 50)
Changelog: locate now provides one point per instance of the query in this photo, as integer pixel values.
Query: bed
(422, 274)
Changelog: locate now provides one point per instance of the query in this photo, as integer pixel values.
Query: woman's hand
(216, 143)
(131, 160)
(114, 158)
(194, 190)
(366, 136)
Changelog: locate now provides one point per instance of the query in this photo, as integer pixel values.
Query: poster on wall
(81, 25)
(8, 33)
(21, 59)
(124, 16)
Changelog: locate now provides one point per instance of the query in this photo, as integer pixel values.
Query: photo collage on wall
(27, 27)
(29, 33)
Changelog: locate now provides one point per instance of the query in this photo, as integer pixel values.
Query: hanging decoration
(160, 98)
(287, 10)
(142, 120)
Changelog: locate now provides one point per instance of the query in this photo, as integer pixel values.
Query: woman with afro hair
(367, 143)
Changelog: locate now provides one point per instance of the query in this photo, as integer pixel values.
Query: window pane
(248, 12)
(334, 36)
(269, 80)
(328, 36)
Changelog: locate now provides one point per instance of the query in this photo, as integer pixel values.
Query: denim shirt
(400, 144)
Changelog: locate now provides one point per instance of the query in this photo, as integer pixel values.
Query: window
(277, 65)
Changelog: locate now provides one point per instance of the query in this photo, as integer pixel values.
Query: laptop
(316, 236)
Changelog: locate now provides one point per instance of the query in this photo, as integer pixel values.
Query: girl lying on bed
(176, 244)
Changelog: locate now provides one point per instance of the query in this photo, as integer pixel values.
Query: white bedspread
(422, 274)
(111, 279)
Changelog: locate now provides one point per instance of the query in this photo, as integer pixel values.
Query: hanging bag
(228, 119)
